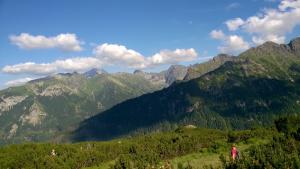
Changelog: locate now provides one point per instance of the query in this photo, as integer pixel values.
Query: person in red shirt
(234, 152)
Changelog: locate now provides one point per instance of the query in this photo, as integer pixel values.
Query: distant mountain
(44, 108)
(155, 78)
(48, 107)
(175, 73)
(294, 46)
(249, 90)
(94, 72)
(167, 77)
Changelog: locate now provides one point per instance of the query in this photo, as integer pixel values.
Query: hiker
(234, 152)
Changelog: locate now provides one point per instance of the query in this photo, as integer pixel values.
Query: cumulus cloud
(115, 54)
(234, 24)
(172, 57)
(30, 68)
(231, 44)
(18, 82)
(271, 37)
(217, 34)
(71, 64)
(271, 24)
(77, 64)
(66, 42)
(105, 55)
(285, 4)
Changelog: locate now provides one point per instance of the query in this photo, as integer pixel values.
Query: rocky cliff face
(94, 72)
(34, 116)
(294, 46)
(167, 77)
(8, 103)
(155, 78)
(174, 73)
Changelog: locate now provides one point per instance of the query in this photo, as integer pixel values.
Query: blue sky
(39, 38)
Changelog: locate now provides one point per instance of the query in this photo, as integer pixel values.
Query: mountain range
(227, 92)
(42, 108)
(241, 92)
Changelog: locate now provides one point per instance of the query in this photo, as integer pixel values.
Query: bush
(280, 153)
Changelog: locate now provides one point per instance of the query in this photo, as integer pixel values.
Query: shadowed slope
(263, 82)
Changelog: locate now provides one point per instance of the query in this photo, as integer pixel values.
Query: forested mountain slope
(250, 90)
(43, 108)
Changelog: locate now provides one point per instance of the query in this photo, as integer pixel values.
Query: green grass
(207, 158)
(106, 165)
(198, 148)
(197, 160)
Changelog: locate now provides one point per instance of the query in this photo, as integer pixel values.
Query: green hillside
(185, 147)
(141, 151)
(200, 69)
(44, 109)
(251, 90)
(47, 109)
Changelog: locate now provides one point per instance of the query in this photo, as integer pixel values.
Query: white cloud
(172, 57)
(78, 64)
(285, 4)
(233, 44)
(217, 34)
(30, 68)
(271, 24)
(234, 24)
(274, 38)
(66, 42)
(71, 64)
(104, 55)
(18, 82)
(115, 54)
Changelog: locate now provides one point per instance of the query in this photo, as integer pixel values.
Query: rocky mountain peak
(41, 79)
(175, 72)
(93, 72)
(269, 44)
(176, 67)
(222, 57)
(268, 48)
(138, 72)
(64, 74)
(294, 45)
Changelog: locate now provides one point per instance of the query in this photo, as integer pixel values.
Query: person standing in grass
(234, 152)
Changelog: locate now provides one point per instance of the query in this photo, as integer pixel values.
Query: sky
(43, 37)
